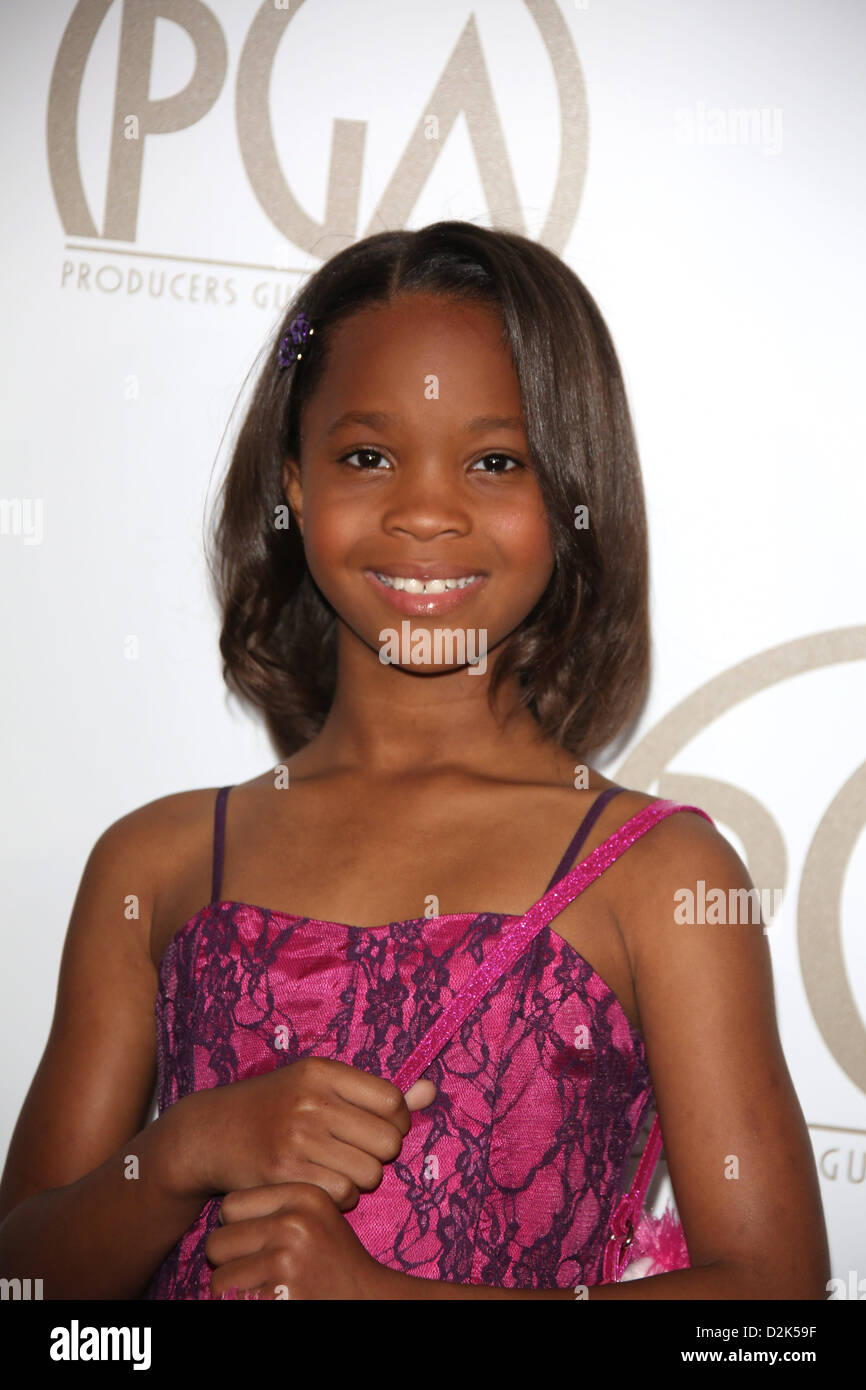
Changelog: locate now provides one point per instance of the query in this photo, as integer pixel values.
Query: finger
(247, 1203)
(371, 1093)
(420, 1095)
(360, 1130)
(240, 1239)
(350, 1163)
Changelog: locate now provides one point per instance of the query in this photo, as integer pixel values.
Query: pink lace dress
(510, 1176)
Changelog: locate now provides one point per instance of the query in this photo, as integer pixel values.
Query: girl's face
(401, 473)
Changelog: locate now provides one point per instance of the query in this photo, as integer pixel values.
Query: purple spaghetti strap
(516, 938)
(219, 840)
(583, 830)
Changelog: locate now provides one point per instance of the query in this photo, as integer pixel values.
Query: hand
(314, 1121)
(290, 1241)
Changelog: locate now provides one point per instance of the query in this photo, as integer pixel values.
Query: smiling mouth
(425, 597)
(409, 585)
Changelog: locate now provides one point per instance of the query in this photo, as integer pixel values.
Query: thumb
(421, 1094)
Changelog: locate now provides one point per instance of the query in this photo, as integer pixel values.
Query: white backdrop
(696, 162)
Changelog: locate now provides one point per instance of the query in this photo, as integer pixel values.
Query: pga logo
(451, 94)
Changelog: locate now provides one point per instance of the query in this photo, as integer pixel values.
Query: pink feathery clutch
(659, 1246)
(640, 1242)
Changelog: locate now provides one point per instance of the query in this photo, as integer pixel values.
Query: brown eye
(502, 457)
(356, 453)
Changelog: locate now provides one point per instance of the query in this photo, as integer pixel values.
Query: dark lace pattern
(510, 1176)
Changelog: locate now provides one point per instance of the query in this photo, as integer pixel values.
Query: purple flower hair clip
(291, 347)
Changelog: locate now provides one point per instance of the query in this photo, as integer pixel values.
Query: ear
(293, 490)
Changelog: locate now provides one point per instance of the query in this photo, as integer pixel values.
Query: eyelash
(494, 454)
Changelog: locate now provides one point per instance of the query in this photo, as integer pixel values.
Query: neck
(384, 719)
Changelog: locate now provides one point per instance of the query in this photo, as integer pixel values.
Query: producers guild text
(183, 286)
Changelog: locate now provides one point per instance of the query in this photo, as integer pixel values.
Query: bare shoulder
(679, 859)
(153, 843)
(671, 854)
(667, 861)
(158, 821)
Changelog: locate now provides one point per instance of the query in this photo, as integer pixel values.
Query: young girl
(418, 987)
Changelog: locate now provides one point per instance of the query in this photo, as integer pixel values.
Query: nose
(426, 502)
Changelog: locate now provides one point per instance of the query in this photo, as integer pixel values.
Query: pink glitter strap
(515, 941)
(509, 949)
(624, 1220)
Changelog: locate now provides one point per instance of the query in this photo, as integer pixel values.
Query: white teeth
(416, 586)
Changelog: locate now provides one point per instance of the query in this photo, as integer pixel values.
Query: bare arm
(71, 1213)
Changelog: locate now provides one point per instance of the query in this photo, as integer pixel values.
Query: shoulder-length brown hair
(581, 657)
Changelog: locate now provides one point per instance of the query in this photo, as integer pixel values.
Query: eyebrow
(379, 419)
